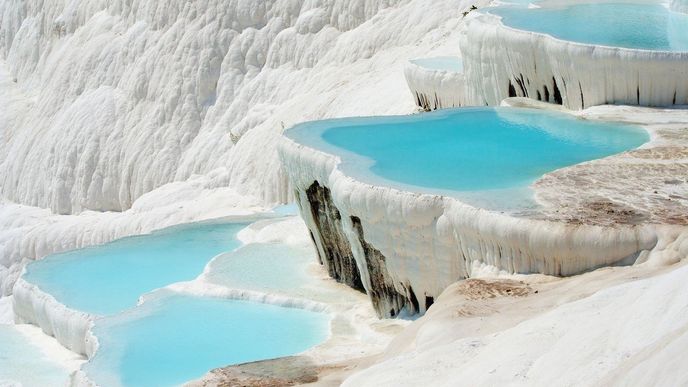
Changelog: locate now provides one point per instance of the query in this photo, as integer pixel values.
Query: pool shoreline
(74, 329)
(501, 183)
(421, 243)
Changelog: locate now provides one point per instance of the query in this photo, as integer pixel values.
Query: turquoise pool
(448, 63)
(177, 338)
(466, 150)
(645, 26)
(110, 278)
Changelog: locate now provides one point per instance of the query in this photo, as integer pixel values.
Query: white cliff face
(69, 327)
(501, 62)
(115, 99)
(435, 89)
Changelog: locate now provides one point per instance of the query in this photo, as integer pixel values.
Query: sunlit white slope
(121, 97)
(629, 334)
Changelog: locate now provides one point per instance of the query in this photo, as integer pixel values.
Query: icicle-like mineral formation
(501, 62)
(435, 88)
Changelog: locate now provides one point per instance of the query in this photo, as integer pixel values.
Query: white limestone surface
(29, 233)
(679, 6)
(112, 99)
(497, 57)
(123, 117)
(435, 88)
(69, 327)
(430, 241)
(623, 332)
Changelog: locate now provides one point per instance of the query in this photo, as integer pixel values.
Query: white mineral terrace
(500, 62)
(434, 87)
(679, 6)
(622, 209)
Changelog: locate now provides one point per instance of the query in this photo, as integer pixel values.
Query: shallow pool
(448, 63)
(176, 338)
(24, 364)
(455, 151)
(637, 26)
(265, 267)
(110, 278)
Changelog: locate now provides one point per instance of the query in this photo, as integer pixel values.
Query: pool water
(637, 26)
(177, 338)
(454, 151)
(265, 267)
(448, 63)
(20, 360)
(110, 278)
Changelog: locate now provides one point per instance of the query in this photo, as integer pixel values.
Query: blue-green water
(638, 26)
(110, 278)
(449, 63)
(265, 267)
(468, 149)
(23, 364)
(177, 338)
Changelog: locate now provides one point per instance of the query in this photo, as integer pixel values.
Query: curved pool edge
(80, 378)
(70, 327)
(501, 61)
(73, 328)
(404, 248)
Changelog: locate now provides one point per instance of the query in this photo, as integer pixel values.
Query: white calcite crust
(614, 326)
(30, 233)
(112, 99)
(498, 58)
(679, 6)
(430, 241)
(70, 327)
(435, 89)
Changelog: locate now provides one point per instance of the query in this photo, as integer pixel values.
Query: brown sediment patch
(280, 372)
(661, 153)
(643, 186)
(479, 289)
(604, 211)
(648, 185)
(480, 296)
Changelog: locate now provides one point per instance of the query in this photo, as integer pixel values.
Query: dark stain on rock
(413, 299)
(546, 93)
(581, 95)
(637, 94)
(557, 94)
(338, 257)
(429, 301)
(382, 292)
